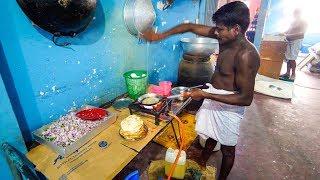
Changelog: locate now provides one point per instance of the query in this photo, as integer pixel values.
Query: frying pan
(150, 95)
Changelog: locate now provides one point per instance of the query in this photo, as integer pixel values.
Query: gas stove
(173, 106)
(163, 110)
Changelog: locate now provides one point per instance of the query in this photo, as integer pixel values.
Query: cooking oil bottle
(181, 167)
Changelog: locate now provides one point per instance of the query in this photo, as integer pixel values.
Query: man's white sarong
(293, 49)
(219, 121)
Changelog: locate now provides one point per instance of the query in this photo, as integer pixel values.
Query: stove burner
(135, 107)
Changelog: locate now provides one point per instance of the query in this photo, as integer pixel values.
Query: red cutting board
(92, 114)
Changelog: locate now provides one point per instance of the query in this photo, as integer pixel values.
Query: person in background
(232, 84)
(294, 36)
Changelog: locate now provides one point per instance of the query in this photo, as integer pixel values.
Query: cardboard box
(272, 54)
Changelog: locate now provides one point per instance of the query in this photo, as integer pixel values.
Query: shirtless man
(294, 36)
(232, 84)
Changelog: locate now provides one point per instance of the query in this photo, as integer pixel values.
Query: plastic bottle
(181, 167)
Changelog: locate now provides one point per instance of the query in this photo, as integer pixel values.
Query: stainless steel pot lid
(122, 103)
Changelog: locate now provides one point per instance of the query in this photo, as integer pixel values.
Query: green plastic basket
(136, 82)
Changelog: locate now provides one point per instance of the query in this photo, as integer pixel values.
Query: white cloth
(219, 121)
(293, 49)
(315, 49)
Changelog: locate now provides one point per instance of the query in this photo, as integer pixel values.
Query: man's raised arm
(198, 29)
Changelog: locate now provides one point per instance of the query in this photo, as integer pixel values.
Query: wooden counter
(90, 161)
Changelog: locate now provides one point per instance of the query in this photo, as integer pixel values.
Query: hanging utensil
(139, 15)
(60, 17)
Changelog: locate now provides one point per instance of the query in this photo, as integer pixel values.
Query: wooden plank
(305, 61)
(99, 163)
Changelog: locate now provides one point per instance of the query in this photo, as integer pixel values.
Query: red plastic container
(156, 89)
(92, 114)
(166, 87)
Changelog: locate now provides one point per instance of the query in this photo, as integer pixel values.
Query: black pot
(60, 17)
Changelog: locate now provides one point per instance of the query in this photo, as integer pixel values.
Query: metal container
(179, 90)
(139, 15)
(192, 73)
(66, 151)
(149, 95)
(202, 47)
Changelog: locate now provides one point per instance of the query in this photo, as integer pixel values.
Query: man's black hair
(232, 14)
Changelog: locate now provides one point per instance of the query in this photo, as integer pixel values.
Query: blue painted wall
(10, 131)
(282, 8)
(46, 81)
(164, 56)
(51, 80)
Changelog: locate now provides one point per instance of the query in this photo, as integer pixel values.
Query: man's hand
(195, 94)
(151, 35)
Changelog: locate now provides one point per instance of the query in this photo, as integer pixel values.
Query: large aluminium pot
(139, 15)
(194, 71)
(200, 46)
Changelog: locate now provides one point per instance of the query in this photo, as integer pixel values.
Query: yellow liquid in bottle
(179, 171)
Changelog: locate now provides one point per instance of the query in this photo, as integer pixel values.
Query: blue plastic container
(133, 176)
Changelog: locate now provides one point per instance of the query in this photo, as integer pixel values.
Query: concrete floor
(279, 139)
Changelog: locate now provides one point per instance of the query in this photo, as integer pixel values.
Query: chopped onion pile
(69, 129)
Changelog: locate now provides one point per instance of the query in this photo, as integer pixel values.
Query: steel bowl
(200, 46)
(179, 90)
(138, 15)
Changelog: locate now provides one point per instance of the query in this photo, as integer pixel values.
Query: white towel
(219, 121)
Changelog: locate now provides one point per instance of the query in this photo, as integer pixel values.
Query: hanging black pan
(60, 17)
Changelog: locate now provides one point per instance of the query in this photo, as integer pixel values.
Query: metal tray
(66, 151)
